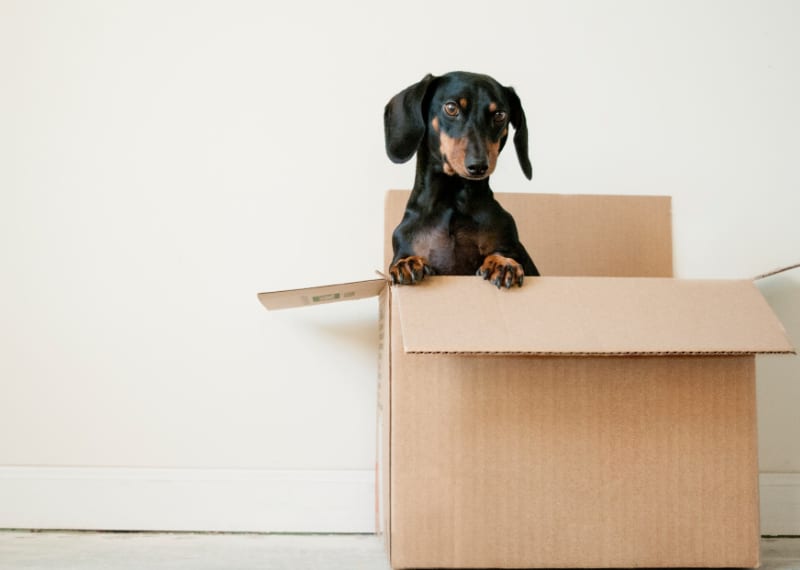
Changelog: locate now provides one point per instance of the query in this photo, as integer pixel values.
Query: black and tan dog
(457, 124)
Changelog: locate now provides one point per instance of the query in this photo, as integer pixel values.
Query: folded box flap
(275, 300)
(589, 316)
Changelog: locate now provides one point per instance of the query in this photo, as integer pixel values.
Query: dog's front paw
(501, 271)
(409, 270)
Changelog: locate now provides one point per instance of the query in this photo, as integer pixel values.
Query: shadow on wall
(782, 292)
(779, 380)
(350, 328)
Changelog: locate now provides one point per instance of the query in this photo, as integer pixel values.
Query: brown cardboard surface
(580, 235)
(589, 315)
(292, 298)
(551, 462)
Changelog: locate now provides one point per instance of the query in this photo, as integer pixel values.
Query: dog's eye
(500, 117)
(451, 108)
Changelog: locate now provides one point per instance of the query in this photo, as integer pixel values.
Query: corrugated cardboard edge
(642, 354)
(383, 471)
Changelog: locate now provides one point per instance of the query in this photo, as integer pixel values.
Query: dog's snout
(476, 157)
(477, 168)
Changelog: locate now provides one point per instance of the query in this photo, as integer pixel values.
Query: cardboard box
(600, 416)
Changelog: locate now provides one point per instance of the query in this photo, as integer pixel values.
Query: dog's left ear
(520, 131)
(403, 121)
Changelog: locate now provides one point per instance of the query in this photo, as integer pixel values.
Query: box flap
(588, 316)
(580, 234)
(318, 295)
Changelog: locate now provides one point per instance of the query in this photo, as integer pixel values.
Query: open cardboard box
(601, 416)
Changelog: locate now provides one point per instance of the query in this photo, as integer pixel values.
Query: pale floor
(23, 550)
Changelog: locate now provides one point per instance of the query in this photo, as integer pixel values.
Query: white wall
(161, 162)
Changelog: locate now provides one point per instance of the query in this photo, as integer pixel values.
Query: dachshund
(457, 124)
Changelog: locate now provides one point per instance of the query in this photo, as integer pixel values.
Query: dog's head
(463, 119)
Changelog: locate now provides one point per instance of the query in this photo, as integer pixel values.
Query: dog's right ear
(404, 122)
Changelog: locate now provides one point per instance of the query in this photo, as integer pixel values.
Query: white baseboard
(231, 500)
(223, 500)
(780, 504)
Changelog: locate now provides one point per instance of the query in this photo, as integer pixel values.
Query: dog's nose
(477, 168)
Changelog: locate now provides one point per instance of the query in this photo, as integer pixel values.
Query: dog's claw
(409, 270)
(501, 271)
(509, 276)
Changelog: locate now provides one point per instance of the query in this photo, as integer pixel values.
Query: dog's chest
(453, 244)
